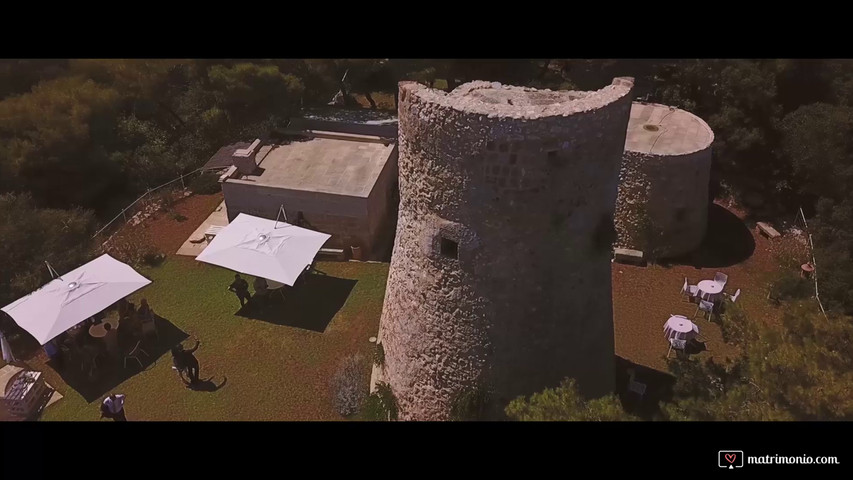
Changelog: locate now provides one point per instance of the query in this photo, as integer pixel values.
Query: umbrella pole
(281, 213)
(53, 273)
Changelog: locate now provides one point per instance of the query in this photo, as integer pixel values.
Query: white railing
(123, 213)
(802, 217)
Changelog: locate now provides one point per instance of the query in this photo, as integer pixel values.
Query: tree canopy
(32, 236)
(564, 403)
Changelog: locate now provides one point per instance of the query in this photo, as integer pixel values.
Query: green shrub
(152, 257)
(791, 287)
(733, 323)
(379, 355)
(470, 405)
(381, 405)
(348, 386)
(205, 184)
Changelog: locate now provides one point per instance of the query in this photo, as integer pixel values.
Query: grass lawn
(278, 368)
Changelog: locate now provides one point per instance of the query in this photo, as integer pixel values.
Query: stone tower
(662, 206)
(500, 275)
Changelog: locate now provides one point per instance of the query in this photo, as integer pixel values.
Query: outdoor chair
(635, 386)
(134, 354)
(721, 278)
(149, 327)
(678, 344)
(733, 298)
(705, 306)
(688, 291)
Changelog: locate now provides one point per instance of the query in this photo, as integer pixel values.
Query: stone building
(662, 207)
(343, 184)
(500, 275)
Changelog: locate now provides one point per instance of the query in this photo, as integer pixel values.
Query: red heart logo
(730, 457)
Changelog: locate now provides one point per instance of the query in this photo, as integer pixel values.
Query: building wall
(345, 218)
(662, 207)
(529, 199)
(381, 204)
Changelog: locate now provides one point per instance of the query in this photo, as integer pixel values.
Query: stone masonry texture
(662, 206)
(500, 274)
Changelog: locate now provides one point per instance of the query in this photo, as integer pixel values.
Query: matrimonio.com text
(732, 459)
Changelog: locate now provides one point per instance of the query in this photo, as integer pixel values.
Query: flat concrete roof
(336, 163)
(664, 130)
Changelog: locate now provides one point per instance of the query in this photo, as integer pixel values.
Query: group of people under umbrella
(72, 309)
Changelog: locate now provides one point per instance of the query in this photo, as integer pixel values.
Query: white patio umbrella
(265, 248)
(74, 297)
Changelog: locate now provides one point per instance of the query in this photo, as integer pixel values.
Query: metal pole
(281, 213)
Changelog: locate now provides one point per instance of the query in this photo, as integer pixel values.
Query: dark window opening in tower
(512, 159)
(680, 215)
(449, 248)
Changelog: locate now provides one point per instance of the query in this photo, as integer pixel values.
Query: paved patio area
(192, 247)
(6, 375)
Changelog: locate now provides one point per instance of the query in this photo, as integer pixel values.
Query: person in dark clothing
(113, 407)
(240, 287)
(54, 352)
(185, 362)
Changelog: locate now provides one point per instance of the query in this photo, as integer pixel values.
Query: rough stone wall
(527, 192)
(662, 207)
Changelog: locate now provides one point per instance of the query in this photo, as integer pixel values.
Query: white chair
(134, 354)
(705, 306)
(733, 298)
(721, 278)
(677, 344)
(689, 291)
(635, 386)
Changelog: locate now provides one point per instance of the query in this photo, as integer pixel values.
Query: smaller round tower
(662, 206)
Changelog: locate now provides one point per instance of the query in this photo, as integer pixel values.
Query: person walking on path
(240, 287)
(113, 407)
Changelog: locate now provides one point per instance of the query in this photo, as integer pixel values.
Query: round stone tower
(500, 275)
(662, 208)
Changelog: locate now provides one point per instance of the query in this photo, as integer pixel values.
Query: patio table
(710, 290)
(679, 327)
(98, 331)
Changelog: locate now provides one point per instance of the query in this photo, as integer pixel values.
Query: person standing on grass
(185, 362)
(113, 407)
(111, 341)
(240, 287)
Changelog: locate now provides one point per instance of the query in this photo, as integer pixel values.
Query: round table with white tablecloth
(680, 327)
(710, 290)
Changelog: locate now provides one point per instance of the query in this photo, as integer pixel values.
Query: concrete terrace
(192, 247)
(336, 163)
(664, 130)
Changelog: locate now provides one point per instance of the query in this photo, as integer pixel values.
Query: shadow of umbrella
(113, 371)
(310, 306)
